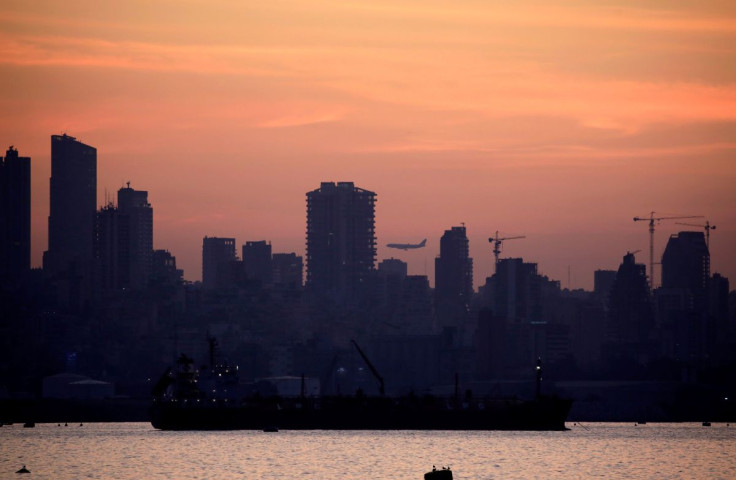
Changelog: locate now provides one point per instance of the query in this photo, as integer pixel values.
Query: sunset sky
(559, 121)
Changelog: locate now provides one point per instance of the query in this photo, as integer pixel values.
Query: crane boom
(496, 241)
(708, 227)
(651, 221)
(371, 367)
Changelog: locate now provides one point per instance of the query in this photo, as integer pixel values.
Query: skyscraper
(683, 299)
(111, 250)
(73, 204)
(686, 265)
(257, 261)
(217, 254)
(15, 216)
(631, 317)
(453, 276)
(134, 204)
(518, 291)
(341, 238)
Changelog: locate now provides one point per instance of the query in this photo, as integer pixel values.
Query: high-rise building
(686, 264)
(393, 266)
(15, 216)
(287, 269)
(683, 300)
(257, 261)
(341, 238)
(517, 296)
(631, 317)
(163, 269)
(73, 208)
(217, 256)
(453, 276)
(134, 204)
(602, 283)
(111, 250)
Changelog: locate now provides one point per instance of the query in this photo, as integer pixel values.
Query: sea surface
(586, 450)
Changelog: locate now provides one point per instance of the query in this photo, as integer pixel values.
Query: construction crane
(708, 227)
(497, 244)
(651, 221)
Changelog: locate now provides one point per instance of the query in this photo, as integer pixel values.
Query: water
(135, 450)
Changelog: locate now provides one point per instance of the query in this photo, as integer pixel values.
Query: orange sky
(559, 120)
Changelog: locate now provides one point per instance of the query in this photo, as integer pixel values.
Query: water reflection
(134, 451)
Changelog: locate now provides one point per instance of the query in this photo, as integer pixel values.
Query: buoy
(23, 470)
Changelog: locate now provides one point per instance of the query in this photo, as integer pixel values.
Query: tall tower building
(73, 205)
(341, 238)
(684, 300)
(453, 275)
(631, 317)
(686, 265)
(15, 216)
(134, 204)
(518, 291)
(257, 261)
(111, 250)
(217, 255)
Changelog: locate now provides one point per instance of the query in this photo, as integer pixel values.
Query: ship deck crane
(708, 227)
(496, 241)
(373, 370)
(651, 221)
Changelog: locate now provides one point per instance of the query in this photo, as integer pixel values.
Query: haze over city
(557, 122)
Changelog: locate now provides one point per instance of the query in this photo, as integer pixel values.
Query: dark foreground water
(595, 450)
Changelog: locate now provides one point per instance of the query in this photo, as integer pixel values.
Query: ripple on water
(134, 450)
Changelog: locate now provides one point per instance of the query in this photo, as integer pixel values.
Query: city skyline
(558, 123)
(479, 277)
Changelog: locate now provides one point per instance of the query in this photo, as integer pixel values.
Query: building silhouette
(686, 265)
(453, 277)
(163, 269)
(287, 269)
(124, 242)
(630, 319)
(683, 301)
(341, 239)
(516, 325)
(69, 259)
(257, 262)
(111, 250)
(517, 291)
(134, 205)
(15, 216)
(602, 283)
(217, 257)
(393, 266)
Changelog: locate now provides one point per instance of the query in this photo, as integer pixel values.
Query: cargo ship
(191, 400)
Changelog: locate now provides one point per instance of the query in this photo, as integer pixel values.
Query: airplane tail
(424, 242)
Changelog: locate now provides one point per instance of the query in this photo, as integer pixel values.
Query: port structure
(652, 219)
(496, 241)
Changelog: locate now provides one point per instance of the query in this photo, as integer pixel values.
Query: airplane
(407, 246)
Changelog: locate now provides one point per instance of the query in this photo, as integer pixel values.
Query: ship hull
(362, 414)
